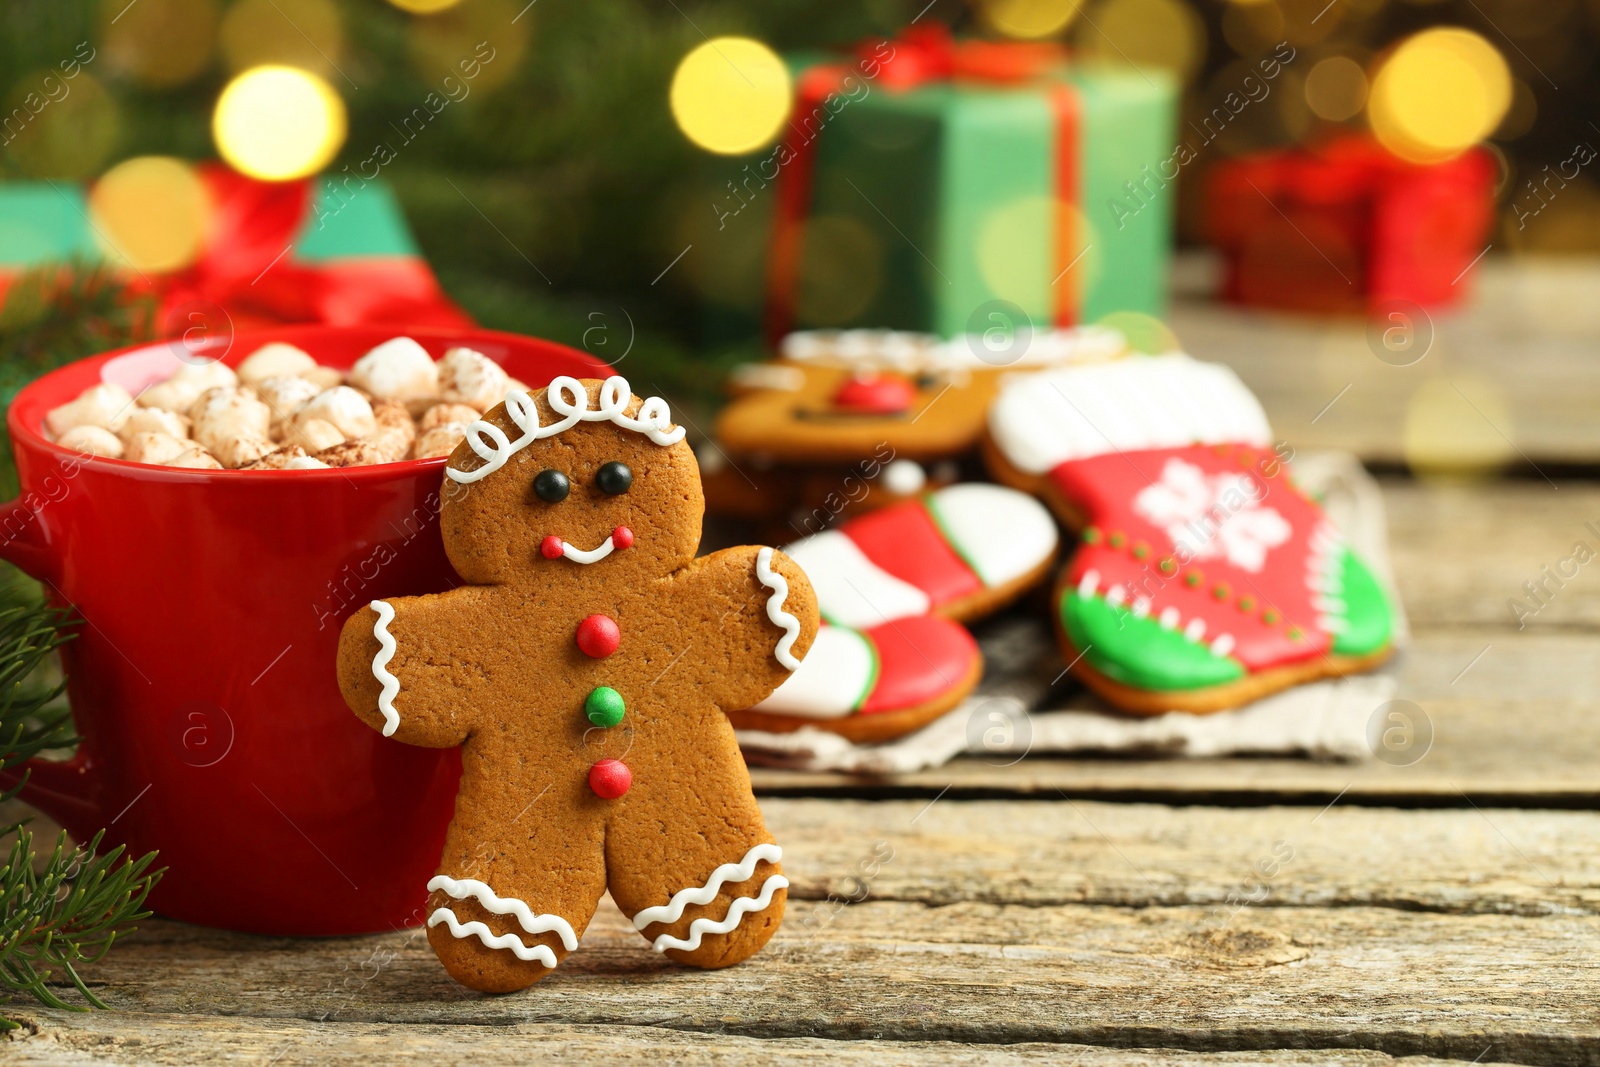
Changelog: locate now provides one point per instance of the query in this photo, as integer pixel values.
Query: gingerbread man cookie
(585, 669)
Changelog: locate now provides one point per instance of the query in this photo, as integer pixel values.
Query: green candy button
(604, 706)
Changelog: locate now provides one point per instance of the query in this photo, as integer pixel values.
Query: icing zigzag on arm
(784, 652)
(380, 667)
(672, 911)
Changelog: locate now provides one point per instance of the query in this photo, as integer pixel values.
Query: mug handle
(61, 789)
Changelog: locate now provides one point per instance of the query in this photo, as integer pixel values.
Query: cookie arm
(758, 617)
(392, 679)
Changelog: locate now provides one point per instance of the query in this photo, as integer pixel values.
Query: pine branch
(72, 908)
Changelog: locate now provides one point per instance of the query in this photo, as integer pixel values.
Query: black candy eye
(551, 486)
(613, 478)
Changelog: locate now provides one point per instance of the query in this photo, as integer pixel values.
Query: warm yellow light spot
(1458, 427)
(297, 33)
(1440, 92)
(471, 50)
(151, 213)
(158, 43)
(731, 95)
(840, 273)
(278, 123)
(1146, 33)
(71, 129)
(1252, 26)
(424, 7)
(1028, 19)
(1336, 88)
(1145, 333)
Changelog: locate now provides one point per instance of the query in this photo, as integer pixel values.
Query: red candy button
(610, 778)
(550, 547)
(622, 537)
(880, 394)
(598, 636)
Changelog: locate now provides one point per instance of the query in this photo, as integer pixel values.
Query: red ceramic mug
(202, 676)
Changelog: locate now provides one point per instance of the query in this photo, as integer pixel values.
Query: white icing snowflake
(1212, 516)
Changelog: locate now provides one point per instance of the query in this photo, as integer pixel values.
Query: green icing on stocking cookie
(1367, 622)
(1139, 651)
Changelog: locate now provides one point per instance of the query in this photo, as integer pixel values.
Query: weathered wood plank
(1399, 982)
(55, 1039)
(1462, 553)
(1512, 715)
(1525, 339)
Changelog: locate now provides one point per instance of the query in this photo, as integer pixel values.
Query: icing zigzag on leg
(531, 921)
(742, 871)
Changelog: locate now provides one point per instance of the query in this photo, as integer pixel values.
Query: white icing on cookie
(913, 353)
(784, 652)
(531, 921)
(1000, 533)
(742, 871)
(851, 589)
(1042, 420)
(542, 953)
(736, 913)
(380, 667)
(593, 555)
(569, 399)
(835, 678)
(904, 477)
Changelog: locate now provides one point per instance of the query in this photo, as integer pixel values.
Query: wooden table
(1090, 911)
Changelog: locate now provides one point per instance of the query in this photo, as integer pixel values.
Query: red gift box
(1349, 227)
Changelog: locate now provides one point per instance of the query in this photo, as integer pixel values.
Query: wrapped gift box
(273, 251)
(1349, 227)
(970, 173)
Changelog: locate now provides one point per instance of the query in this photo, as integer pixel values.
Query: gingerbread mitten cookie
(1206, 578)
(889, 584)
(585, 668)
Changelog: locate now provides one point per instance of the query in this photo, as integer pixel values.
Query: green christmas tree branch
(71, 908)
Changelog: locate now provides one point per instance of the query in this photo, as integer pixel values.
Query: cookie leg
(700, 876)
(503, 925)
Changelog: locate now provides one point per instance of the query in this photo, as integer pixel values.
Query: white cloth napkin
(1027, 704)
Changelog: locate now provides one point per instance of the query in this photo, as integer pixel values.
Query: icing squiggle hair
(570, 400)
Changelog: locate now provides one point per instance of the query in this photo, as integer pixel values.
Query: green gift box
(942, 187)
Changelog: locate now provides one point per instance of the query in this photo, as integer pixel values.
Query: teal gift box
(933, 185)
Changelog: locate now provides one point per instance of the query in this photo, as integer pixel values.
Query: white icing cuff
(531, 921)
(784, 651)
(380, 667)
(736, 913)
(702, 895)
(1000, 533)
(1143, 402)
(529, 953)
(851, 589)
(832, 682)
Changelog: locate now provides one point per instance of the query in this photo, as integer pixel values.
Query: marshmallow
(398, 369)
(440, 414)
(323, 377)
(179, 392)
(352, 454)
(439, 440)
(196, 457)
(342, 406)
(155, 447)
(285, 396)
(105, 405)
(95, 440)
(278, 460)
(275, 360)
(472, 378)
(395, 431)
(313, 434)
(154, 420)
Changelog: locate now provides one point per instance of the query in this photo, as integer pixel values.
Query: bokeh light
(1437, 94)
(478, 46)
(841, 271)
(1458, 427)
(1028, 19)
(1336, 88)
(1145, 333)
(295, 33)
(1521, 114)
(731, 95)
(158, 43)
(424, 7)
(1147, 33)
(1014, 260)
(72, 137)
(278, 123)
(1252, 26)
(151, 212)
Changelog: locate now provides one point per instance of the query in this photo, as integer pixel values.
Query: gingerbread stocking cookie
(1206, 578)
(585, 669)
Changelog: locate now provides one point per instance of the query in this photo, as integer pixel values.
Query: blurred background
(555, 193)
